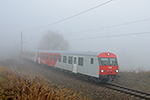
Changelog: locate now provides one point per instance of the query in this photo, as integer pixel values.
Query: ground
(93, 91)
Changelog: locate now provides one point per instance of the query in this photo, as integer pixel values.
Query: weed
(27, 88)
(137, 80)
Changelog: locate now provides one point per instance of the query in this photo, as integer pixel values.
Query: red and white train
(101, 67)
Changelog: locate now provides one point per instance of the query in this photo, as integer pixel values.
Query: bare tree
(53, 41)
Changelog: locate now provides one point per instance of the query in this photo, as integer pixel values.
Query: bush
(15, 87)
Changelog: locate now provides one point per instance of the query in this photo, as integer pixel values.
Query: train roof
(89, 53)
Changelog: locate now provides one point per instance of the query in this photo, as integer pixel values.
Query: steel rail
(126, 90)
(112, 86)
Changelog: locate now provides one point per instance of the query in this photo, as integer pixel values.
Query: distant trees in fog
(53, 41)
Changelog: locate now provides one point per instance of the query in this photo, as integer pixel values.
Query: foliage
(53, 41)
(26, 88)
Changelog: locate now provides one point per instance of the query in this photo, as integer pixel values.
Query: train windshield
(108, 61)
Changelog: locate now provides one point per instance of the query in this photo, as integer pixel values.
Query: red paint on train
(107, 55)
(108, 69)
(47, 58)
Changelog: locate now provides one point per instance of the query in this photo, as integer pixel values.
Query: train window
(92, 60)
(108, 61)
(80, 61)
(59, 58)
(41, 56)
(47, 56)
(51, 57)
(64, 59)
(55, 57)
(70, 60)
(44, 56)
(75, 60)
(104, 61)
(113, 61)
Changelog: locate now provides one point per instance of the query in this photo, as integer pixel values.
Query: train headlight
(108, 54)
(116, 71)
(102, 71)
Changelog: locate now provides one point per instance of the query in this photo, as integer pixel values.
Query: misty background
(83, 32)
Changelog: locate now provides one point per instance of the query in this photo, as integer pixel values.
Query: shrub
(15, 87)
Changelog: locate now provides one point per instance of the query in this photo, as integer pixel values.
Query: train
(98, 66)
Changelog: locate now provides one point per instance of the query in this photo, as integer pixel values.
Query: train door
(75, 62)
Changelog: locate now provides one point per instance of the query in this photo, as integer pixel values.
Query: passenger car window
(64, 59)
(55, 57)
(59, 58)
(51, 57)
(75, 60)
(44, 56)
(70, 60)
(80, 61)
(92, 60)
(47, 56)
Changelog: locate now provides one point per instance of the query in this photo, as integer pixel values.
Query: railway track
(115, 87)
(126, 90)
(119, 88)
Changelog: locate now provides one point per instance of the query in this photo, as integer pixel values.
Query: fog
(32, 17)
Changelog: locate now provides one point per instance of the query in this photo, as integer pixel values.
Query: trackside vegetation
(14, 87)
(137, 80)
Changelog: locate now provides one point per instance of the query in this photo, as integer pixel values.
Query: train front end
(108, 66)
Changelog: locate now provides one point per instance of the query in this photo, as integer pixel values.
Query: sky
(26, 17)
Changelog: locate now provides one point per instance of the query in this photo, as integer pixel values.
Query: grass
(25, 87)
(138, 80)
(1, 79)
(13, 87)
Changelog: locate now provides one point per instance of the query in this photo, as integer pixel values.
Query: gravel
(61, 78)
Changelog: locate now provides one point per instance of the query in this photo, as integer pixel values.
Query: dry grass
(138, 80)
(93, 91)
(14, 87)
